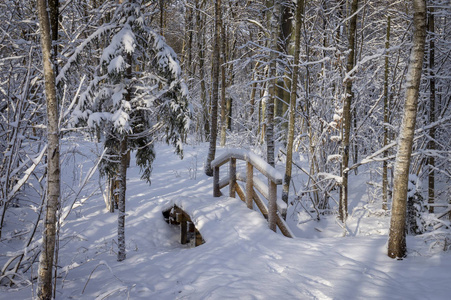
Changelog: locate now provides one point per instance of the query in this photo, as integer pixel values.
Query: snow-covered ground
(241, 258)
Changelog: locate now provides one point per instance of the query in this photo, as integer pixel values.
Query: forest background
(236, 63)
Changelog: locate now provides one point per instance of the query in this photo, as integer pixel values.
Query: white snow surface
(241, 257)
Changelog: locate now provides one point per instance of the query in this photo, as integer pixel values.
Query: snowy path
(241, 259)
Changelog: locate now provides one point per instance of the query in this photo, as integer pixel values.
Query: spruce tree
(136, 97)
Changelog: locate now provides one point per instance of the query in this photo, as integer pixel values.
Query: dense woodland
(349, 85)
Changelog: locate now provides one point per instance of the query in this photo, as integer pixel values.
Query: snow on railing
(249, 196)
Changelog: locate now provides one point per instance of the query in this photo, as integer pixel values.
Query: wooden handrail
(258, 163)
(268, 191)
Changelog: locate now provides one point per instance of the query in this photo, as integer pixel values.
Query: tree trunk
(188, 45)
(162, 16)
(272, 74)
(250, 124)
(347, 120)
(214, 99)
(386, 120)
(53, 18)
(294, 87)
(223, 86)
(124, 163)
(432, 145)
(121, 205)
(397, 234)
(200, 28)
(53, 160)
(285, 84)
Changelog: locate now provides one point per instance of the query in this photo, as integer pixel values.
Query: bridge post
(272, 205)
(249, 185)
(216, 190)
(232, 177)
(180, 218)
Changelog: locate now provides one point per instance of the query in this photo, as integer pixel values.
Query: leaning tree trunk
(215, 89)
(53, 159)
(397, 234)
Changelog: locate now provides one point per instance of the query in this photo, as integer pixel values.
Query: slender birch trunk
(397, 234)
(214, 100)
(53, 159)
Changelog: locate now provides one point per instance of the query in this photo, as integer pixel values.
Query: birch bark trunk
(397, 233)
(53, 159)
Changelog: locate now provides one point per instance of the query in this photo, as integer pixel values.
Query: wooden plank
(232, 177)
(216, 189)
(240, 192)
(283, 227)
(249, 184)
(183, 231)
(261, 205)
(272, 206)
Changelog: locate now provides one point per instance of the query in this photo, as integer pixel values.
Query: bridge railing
(268, 191)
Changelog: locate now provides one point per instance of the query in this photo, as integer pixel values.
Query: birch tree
(53, 164)
(397, 233)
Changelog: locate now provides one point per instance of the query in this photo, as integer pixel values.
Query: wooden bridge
(272, 212)
(268, 206)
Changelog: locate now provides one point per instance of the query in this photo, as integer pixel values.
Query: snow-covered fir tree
(136, 97)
